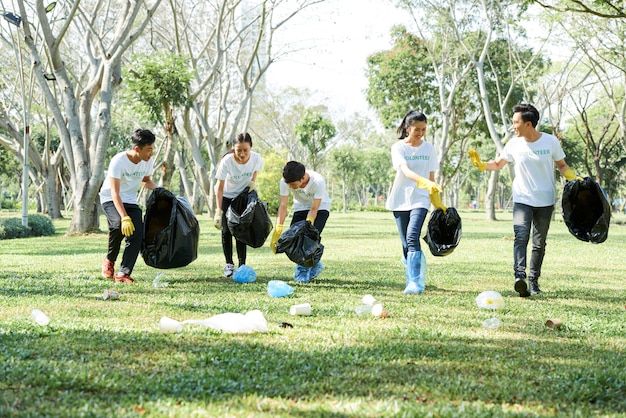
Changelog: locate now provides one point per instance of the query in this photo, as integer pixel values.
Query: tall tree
(315, 132)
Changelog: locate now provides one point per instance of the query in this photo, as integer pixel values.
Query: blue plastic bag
(244, 274)
(278, 289)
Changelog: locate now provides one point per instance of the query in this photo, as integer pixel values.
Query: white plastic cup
(40, 317)
(363, 309)
(169, 325)
(379, 311)
(368, 300)
(301, 309)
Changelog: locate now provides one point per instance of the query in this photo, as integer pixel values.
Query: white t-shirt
(534, 169)
(237, 176)
(405, 195)
(303, 198)
(130, 176)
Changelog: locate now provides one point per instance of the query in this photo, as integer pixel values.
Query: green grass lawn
(430, 357)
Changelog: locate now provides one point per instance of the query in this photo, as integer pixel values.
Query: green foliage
(158, 82)
(268, 180)
(38, 226)
(314, 132)
(401, 79)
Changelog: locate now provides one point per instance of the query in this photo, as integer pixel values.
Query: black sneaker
(521, 288)
(533, 287)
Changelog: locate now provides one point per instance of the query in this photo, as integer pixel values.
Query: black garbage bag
(301, 243)
(444, 232)
(171, 231)
(586, 210)
(248, 220)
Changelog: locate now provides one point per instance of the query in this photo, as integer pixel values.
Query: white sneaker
(229, 269)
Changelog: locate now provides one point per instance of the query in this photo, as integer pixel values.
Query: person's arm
(282, 210)
(219, 194)
(313, 211)
(428, 184)
(567, 172)
(148, 183)
(493, 165)
(115, 196)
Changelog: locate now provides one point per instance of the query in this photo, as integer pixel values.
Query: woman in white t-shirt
(414, 187)
(236, 171)
(310, 202)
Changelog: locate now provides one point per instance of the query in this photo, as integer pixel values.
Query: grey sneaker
(229, 269)
(533, 287)
(521, 287)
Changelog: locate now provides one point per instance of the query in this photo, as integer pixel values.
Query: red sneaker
(123, 278)
(108, 269)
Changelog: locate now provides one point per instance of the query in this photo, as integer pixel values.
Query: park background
(78, 77)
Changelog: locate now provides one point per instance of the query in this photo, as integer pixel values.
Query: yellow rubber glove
(217, 219)
(435, 199)
(431, 186)
(481, 165)
(252, 185)
(128, 228)
(310, 219)
(570, 175)
(275, 236)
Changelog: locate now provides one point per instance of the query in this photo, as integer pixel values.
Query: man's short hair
(529, 113)
(142, 137)
(293, 171)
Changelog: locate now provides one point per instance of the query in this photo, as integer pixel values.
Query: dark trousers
(524, 218)
(320, 219)
(227, 238)
(133, 243)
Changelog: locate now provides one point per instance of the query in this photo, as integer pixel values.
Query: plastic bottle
(158, 283)
(363, 309)
(492, 323)
(278, 289)
(40, 317)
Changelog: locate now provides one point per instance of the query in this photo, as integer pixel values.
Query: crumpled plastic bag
(490, 299)
(586, 210)
(444, 232)
(244, 274)
(234, 323)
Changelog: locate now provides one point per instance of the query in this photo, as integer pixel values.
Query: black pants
(133, 243)
(320, 219)
(227, 238)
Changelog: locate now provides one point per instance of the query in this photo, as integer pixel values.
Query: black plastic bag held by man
(248, 220)
(171, 231)
(586, 210)
(301, 243)
(444, 232)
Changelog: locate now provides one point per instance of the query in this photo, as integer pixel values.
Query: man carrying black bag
(310, 204)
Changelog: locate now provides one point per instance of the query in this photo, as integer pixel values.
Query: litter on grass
(490, 299)
(229, 322)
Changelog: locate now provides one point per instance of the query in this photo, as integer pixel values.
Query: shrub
(40, 226)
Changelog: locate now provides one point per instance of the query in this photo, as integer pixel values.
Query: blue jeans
(133, 243)
(410, 227)
(524, 217)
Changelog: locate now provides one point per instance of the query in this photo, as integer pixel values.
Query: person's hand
(435, 199)
(310, 219)
(431, 186)
(476, 161)
(275, 236)
(570, 175)
(251, 185)
(217, 219)
(128, 228)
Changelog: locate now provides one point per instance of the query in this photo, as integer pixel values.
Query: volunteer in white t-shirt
(413, 190)
(535, 154)
(127, 171)
(310, 202)
(236, 171)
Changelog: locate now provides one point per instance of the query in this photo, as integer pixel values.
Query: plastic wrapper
(278, 289)
(586, 210)
(490, 299)
(244, 274)
(234, 323)
(171, 231)
(248, 220)
(301, 243)
(444, 232)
